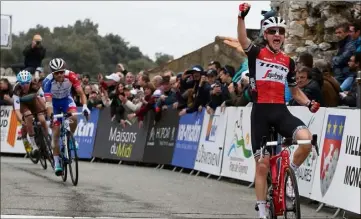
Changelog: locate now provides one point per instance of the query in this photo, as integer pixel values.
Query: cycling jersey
(61, 91)
(268, 73)
(19, 95)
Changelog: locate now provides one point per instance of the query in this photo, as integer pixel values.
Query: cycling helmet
(57, 64)
(24, 77)
(273, 22)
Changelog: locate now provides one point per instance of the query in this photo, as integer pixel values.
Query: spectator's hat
(37, 38)
(228, 70)
(157, 93)
(115, 77)
(194, 69)
(211, 73)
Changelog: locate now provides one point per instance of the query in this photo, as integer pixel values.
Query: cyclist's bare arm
(80, 92)
(19, 116)
(299, 96)
(49, 105)
(242, 33)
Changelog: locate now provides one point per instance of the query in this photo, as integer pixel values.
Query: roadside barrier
(220, 145)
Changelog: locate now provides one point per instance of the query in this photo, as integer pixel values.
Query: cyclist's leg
(39, 107)
(25, 109)
(57, 105)
(25, 140)
(260, 128)
(71, 108)
(291, 126)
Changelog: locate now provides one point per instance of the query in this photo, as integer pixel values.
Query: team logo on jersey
(331, 150)
(273, 75)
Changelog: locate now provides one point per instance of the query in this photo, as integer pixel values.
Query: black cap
(229, 70)
(211, 72)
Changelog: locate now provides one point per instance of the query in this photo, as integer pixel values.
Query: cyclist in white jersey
(57, 88)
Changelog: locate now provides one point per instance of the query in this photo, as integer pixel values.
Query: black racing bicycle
(44, 143)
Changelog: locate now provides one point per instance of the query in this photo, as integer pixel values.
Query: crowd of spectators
(130, 96)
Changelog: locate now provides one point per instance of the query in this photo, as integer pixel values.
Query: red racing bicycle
(283, 196)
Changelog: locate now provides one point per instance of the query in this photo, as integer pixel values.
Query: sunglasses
(280, 31)
(24, 83)
(58, 72)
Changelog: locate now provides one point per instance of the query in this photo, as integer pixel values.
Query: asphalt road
(123, 191)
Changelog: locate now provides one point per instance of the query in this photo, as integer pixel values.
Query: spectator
(331, 88)
(346, 47)
(355, 33)
(217, 97)
(199, 93)
(34, 54)
(211, 76)
(6, 92)
(215, 65)
(168, 97)
(129, 79)
(148, 103)
(168, 73)
(157, 81)
(94, 100)
(349, 97)
(309, 86)
(243, 69)
(353, 66)
(85, 80)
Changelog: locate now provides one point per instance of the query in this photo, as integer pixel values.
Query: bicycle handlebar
(286, 142)
(67, 115)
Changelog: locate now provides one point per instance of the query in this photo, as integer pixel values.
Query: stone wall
(312, 24)
(217, 51)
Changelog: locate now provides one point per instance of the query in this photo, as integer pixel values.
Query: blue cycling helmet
(24, 77)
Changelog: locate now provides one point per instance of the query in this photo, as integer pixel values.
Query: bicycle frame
(277, 185)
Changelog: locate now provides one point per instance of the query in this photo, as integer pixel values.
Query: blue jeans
(347, 83)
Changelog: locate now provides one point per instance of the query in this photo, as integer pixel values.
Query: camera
(38, 43)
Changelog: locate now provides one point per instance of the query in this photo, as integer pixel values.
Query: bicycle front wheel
(42, 150)
(73, 159)
(49, 150)
(291, 197)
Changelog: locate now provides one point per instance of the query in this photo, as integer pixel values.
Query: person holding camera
(34, 54)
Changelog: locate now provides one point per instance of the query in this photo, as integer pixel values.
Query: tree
(84, 50)
(161, 58)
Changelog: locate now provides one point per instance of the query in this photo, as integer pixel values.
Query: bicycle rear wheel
(73, 159)
(64, 176)
(34, 159)
(49, 150)
(42, 149)
(291, 198)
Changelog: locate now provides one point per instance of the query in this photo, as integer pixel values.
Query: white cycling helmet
(24, 77)
(57, 64)
(273, 22)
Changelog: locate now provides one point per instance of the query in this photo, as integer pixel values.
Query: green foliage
(161, 58)
(83, 49)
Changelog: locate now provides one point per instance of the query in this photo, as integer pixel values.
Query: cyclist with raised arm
(29, 99)
(57, 87)
(269, 68)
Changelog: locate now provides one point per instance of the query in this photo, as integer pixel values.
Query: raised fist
(243, 10)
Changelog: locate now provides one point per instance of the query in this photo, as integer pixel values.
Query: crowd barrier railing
(220, 145)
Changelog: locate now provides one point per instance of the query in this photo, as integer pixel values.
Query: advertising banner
(161, 138)
(85, 133)
(337, 178)
(238, 160)
(10, 131)
(306, 172)
(115, 142)
(210, 149)
(6, 32)
(186, 146)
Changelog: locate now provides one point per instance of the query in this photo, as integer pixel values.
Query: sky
(173, 27)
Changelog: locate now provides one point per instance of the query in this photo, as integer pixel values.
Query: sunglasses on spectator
(280, 31)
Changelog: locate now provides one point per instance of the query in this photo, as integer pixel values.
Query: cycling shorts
(63, 105)
(267, 115)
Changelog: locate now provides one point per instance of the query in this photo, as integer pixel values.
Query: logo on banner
(165, 135)
(123, 142)
(84, 132)
(8, 119)
(331, 150)
(240, 143)
(212, 128)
